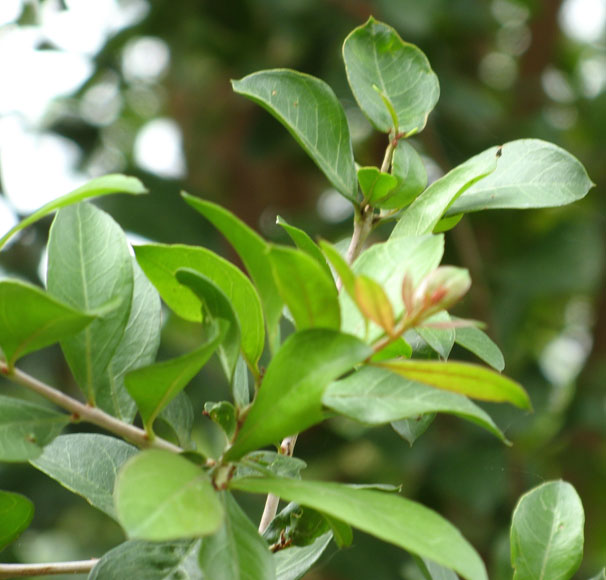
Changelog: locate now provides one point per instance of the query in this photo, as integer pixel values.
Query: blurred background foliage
(142, 87)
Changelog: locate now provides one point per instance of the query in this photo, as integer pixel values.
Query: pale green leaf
(16, 513)
(341, 267)
(441, 340)
(293, 562)
(374, 303)
(375, 185)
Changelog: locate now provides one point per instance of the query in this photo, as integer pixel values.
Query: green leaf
(138, 347)
(179, 416)
(154, 386)
(600, 575)
(86, 464)
(150, 560)
(236, 551)
(96, 187)
(89, 265)
(433, 571)
(375, 396)
(396, 349)
(296, 525)
(426, 210)
(161, 262)
(269, 463)
(386, 263)
(547, 533)
(341, 267)
(223, 414)
(408, 168)
(374, 303)
(289, 399)
(25, 428)
(464, 378)
(412, 429)
(382, 68)
(216, 306)
(292, 563)
(240, 389)
(309, 109)
(162, 496)
(439, 339)
(30, 319)
(252, 249)
(16, 513)
(375, 185)
(387, 516)
(308, 291)
(530, 173)
(479, 343)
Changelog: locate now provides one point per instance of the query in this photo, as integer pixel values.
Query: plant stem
(83, 412)
(23, 570)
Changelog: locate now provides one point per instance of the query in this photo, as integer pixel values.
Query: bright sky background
(37, 165)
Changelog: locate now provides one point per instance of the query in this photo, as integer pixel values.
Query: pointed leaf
(25, 428)
(162, 496)
(304, 243)
(467, 379)
(387, 516)
(86, 464)
(530, 173)
(16, 513)
(138, 347)
(252, 249)
(412, 429)
(375, 185)
(477, 341)
(426, 210)
(96, 187)
(374, 303)
(309, 109)
(547, 533)
(30, 319)
(440, 340)
(341, 267)
(408, 168)
(216, 306)
(308, 291)
(236, 551)
(293, 562)
(161, 262)
(150, 560)
(289, 399)
(179, 416)
(382, 68)
(376, 396)
(89, 265)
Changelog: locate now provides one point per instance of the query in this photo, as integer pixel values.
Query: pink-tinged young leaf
(374, 303)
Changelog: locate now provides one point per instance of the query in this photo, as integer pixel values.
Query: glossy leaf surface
(289, 399)
(547, 533)
(387, 516)
(382, 67)
(30, 319)
(86, 464)
(16, 513)
(311, 112)
(162, 496)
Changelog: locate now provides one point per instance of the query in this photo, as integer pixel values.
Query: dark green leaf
(252, 249)
(160, 263)
(308, 291)
(162, 496)
(269, 463)
(467, 379)
(25, 428)
(386, 73)
(477, 341)
(16, 513)
(236, 551)
(375, 185)
(408, 168)
(150, 560)
(547, 533)
(376, 396)
(387, 516)
(223, 414)
(96, 187)
(86, 464)
(30, 319)
(310, 111)
(289, 399)
(89, 266)
(296, 525)
(292, 563)
(530, 173)
(412, 429)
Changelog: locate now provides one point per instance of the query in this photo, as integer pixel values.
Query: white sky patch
(584, 20)
(10, 10)
(145, 59)
(8, 218)
(159, 149)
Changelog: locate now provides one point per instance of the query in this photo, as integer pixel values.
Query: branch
(23, 570)
(83, 412)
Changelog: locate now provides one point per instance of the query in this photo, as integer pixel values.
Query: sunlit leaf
(341, 267)
(375, 185)
(374, 303)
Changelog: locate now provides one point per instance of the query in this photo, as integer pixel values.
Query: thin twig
(23, 570)
(83, 412)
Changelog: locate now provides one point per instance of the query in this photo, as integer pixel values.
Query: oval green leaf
(290, 397)
(375, 185)
(467, 379)
(384, 73)
(387, 516)
(311, 112)
(162, 496)
(30, 319)
(547, 533)
(16, 513)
